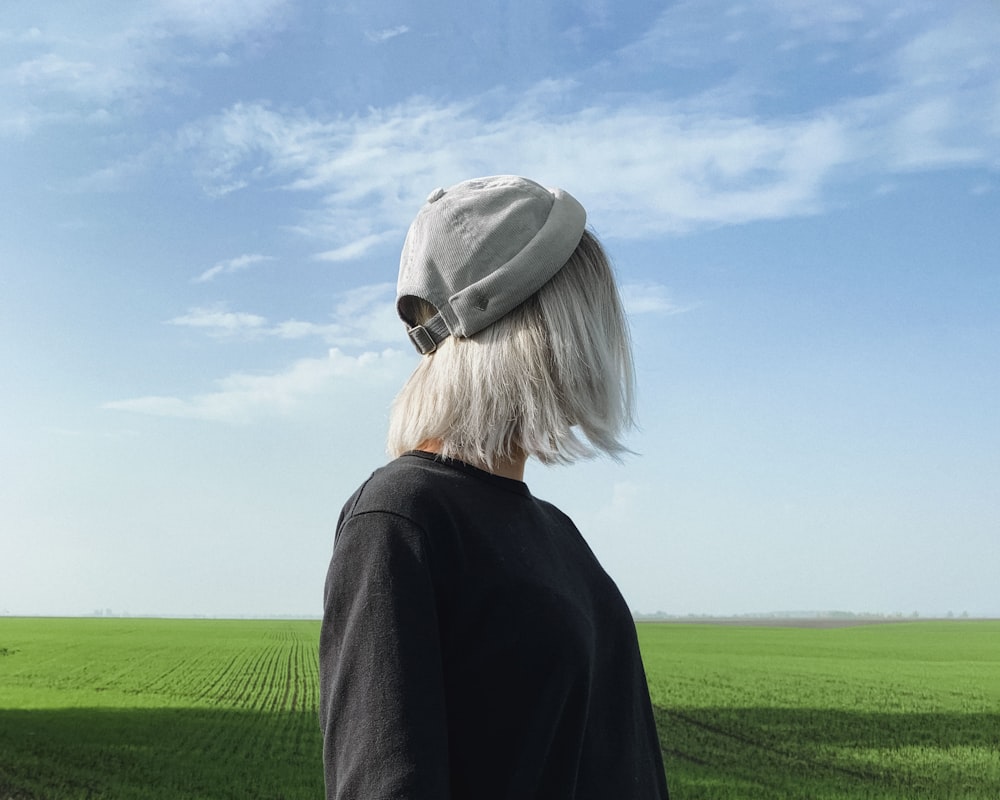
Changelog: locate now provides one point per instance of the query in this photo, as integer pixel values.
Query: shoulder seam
(388, 513)
(424, 538)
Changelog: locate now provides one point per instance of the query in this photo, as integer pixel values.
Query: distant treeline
(663, 616)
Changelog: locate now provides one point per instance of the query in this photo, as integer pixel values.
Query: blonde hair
(557, 366)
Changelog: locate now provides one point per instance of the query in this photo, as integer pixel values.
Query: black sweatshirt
(473, 648)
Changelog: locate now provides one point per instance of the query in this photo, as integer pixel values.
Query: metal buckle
(422, 339)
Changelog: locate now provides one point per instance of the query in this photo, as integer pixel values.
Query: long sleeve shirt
(473, 648)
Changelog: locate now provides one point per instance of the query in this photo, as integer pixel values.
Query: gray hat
(481, 248)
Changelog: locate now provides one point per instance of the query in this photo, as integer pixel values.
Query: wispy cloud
(243, 397)
(930, 138)
(654, 164)
(362, 318)
(680, 171)
(368, 313)
(385, 34)
(76, 81)
(231, 265)
(220, 322)
(78, 77)
(649, 298)
(81, 65)
(218, 22)
(643, 165)
(352, 250)
(945, 97)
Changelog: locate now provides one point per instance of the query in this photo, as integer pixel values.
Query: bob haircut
(558, 364)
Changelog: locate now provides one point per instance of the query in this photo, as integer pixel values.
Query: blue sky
(202, 212)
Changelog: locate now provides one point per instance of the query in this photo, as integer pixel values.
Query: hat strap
(426, 337)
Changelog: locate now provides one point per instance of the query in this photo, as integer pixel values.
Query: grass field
(144, 708)
(896, 712)
(149, 708)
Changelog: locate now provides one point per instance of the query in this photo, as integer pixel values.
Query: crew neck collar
(509, 484)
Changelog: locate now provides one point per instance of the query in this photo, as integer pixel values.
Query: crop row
(828, 713)
(158, 709)
(170, 709)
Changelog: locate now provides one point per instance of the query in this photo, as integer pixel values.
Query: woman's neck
(512, 468)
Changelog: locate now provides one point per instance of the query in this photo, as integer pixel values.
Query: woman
(472, 647)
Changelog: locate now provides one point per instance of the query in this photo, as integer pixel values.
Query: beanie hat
(479, 249)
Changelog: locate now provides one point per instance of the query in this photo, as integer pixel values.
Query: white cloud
(649, 298)
(243, 397)
(829, 19)
(88, 62)
(352, 250)
(911, 86)
(50, 68)
(652, 166)
(642, 165)
(221, 322)
(363, 317)
(960, 50)
(220, 21)
(945, 105)
(385, 34)
(680, 170)
(927, 137)
(369, 313)
(231, 265)
(112, 176)
(86, 73)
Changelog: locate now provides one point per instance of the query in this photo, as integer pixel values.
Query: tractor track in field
(772, 750)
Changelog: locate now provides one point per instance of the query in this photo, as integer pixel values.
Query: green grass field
(896, 711)
(146, 708)
(149, 708)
